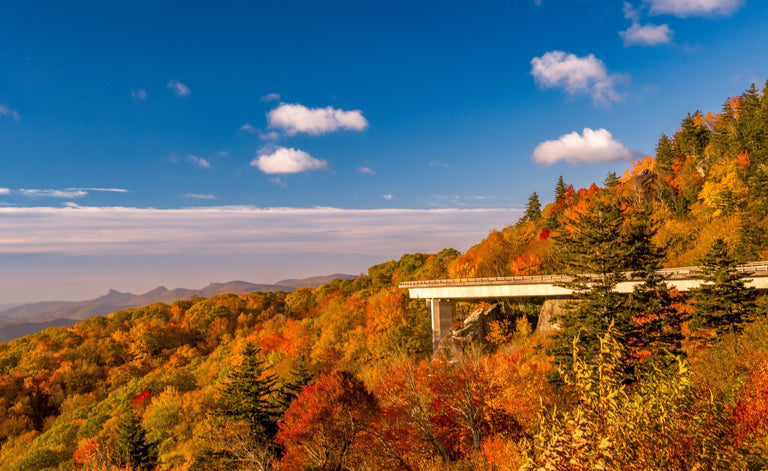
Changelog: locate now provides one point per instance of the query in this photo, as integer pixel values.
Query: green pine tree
(132, 446)
(723, 303)
(591, 252)
(656, 321)
(532, 208)
(289, 390)
(560, 189)
(665, 155)
(248, 393)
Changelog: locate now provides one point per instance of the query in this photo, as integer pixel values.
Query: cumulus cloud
(7, 111)
(294, 118)
(5, 191)
(199, 161)
(287, 160)
(178, 88)
(366, 170)
(577, 75)
(686, 8)
(140, 95)
(589, 146)
(271, 97)
(646, 35)
(34, 193)
(643, 35)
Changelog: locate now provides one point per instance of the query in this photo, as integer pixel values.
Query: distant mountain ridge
(30, 318)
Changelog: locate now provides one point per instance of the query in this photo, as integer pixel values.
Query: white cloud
(109, 190)
(199, 161)
(198, 196)
(222, 154)
(646, 35)
(271, 97)
(52, 193)
(295, 118)
(685, 8)
(387, 197)
(590, 146)
(285, 160)
(438, 163)
(577, 75)
(179, 88)
(94, 230)
(643, 35)
(278, 181)
(248, 128)
(5, 191)
(5, 110)
(366, 170)
(95, 249)
(139, 94)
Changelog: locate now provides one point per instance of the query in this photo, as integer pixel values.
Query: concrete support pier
(443, 315)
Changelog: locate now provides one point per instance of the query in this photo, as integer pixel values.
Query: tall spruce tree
(665, 155)
(132, 446)
(599, 244)
(723, 302)
(532, 208)
(248, 395)
(289, 390)
(560, 189)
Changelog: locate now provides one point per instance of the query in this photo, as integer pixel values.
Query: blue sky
(319, 137)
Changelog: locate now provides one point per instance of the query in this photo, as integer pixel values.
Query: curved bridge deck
(440, 294)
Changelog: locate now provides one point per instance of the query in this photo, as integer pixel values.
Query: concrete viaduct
(442, 294)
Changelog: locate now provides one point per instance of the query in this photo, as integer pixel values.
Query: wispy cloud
(577, 75)
(199, 161)
(366, 170)
(293, 118)
(287, 160)
(115, 230)
(199, 196)
(264, 136)
(686, 8)
(5, 191)
(247, 128)
(35, 193)
(7, 111)
(109, 190)
(271, 97)
(140, 95)
(387, 197)
(458, 200)
(643, 35)
(178, 88)
(438, 163)
(590, 146)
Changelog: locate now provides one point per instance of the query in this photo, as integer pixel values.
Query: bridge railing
(677, 272)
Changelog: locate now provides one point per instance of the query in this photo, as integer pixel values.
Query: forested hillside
(342, 376)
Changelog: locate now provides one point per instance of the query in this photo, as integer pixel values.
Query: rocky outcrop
(473, 330)
(551, 309)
